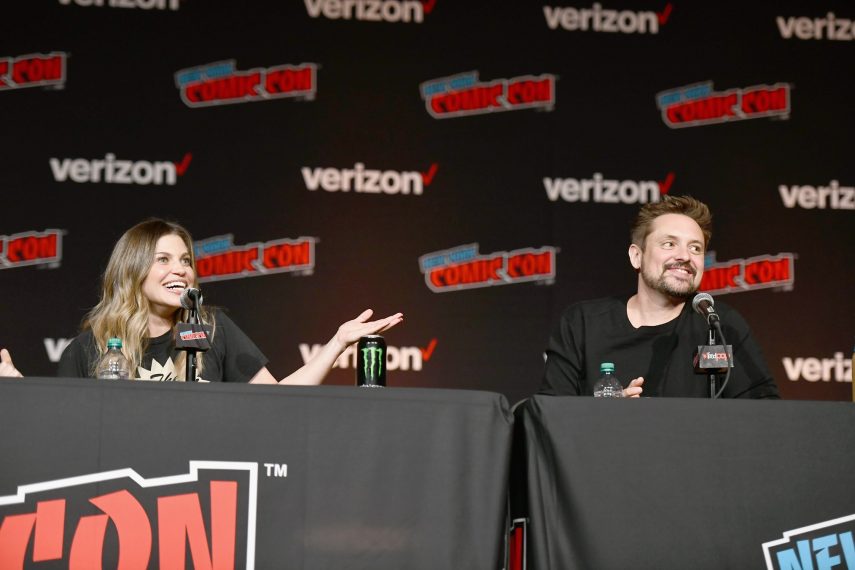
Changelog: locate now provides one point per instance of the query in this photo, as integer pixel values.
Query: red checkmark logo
(181, 167)
(665, 185)
(664, 14)
(428, 352)
(427, 177)
(428, 5)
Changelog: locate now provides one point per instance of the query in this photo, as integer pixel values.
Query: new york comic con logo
(222, 84)
(823, 545)
(127, 521)
(464, 94)
(33, 70)
(31, 248)
(758, 272)
(697, 105)
(218, 258)
(463, 267)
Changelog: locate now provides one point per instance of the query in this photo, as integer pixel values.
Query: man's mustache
(687, 266)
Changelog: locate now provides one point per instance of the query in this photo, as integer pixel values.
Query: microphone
(703, 305)
(194, 336)
(191, 299)
(713, 358)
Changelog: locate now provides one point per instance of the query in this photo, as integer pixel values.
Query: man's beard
(683, 291)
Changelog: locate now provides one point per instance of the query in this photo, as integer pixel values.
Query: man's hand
(6, 366)
(634, 389)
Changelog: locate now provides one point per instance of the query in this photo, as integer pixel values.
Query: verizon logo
(141, 4)
(370, 10)
(830, 28)
(55, 347)
(599, 19)
(361, 179)
(113, 171)
(833, 196)
(397, 358)
(599, 189)
(837, 368)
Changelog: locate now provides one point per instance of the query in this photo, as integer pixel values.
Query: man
(652, 336)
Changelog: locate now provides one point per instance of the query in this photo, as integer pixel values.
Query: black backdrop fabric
(475, 165)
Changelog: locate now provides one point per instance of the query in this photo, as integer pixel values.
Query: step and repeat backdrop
(475, 165)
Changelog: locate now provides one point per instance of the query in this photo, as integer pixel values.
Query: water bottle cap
(114, 342)
(607, 367)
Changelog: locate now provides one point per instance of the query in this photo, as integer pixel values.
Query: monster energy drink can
(371, 361)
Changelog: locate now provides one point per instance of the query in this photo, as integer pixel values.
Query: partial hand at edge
(634, 389)
(6, 367)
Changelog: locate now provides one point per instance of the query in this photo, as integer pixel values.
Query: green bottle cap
(607, 367)
(114, 342)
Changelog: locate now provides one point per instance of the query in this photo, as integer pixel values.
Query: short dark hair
(685, 205)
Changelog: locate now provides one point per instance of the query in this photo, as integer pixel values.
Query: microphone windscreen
(699, 298)
(189, 298)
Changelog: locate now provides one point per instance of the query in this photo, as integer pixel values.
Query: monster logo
(372, 356)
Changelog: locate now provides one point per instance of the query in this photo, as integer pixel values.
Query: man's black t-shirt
(592, 332)
(233, 357)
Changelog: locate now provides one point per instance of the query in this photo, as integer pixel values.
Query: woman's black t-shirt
(233, 357)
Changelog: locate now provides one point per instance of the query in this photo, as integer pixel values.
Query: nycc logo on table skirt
(463, 267)
(823, 545)
(130, 521)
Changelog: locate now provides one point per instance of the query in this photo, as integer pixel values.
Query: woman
(151, 265)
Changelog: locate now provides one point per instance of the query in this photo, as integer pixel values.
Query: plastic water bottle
(113, 365)
(608, 386)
